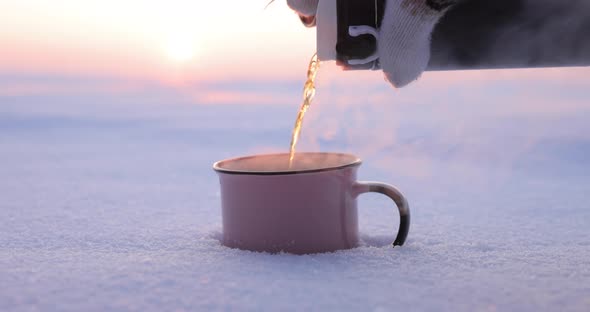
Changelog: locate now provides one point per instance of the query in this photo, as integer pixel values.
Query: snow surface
(115, 206)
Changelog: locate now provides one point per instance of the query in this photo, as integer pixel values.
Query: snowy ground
(109, 203)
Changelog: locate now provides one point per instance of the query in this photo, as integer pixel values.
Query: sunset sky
(188, 39)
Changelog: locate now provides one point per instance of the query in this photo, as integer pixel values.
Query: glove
(404, 37)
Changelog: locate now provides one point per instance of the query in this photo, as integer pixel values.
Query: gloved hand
(404, 37)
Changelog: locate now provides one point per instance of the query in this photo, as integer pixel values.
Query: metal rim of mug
(217, 166)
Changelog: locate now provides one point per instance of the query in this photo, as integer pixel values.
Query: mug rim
(217, 165)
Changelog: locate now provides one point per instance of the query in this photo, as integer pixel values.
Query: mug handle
(399, 199)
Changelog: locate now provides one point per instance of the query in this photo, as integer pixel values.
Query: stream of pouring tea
(308, 94)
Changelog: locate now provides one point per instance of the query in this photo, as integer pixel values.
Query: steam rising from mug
(280, 163)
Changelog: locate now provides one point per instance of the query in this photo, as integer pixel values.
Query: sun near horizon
(181, 48)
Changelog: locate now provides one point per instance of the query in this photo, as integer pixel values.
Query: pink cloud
(234, 97)
(49, 88)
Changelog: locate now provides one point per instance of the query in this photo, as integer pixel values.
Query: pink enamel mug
(308, 207)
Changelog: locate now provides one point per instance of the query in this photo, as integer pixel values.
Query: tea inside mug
(280, 162)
